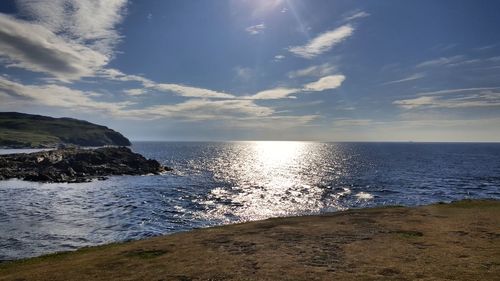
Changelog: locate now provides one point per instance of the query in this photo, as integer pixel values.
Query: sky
(323, 70)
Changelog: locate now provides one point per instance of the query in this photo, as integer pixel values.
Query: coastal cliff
(20, 130)
(76, 164)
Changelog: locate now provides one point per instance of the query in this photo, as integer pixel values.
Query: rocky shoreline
(76, 164)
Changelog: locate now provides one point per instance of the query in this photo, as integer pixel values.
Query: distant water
(219, 183)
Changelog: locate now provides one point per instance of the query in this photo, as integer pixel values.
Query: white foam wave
(364, 196)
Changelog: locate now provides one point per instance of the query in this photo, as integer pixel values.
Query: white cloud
(115, 74)
(279, 57)
(323, 42)
(202, 109)
(65, 97)
(480, 99)
(453, 91)
(416, 102)
(56, 96)
(440, 61)
(325, 83)
(91, 22)
(274, 123)
(408, 78)
(315, 71)
(181, 90)
(343, 122)
(414, 124)
(135, 92)
(256, 29)
(459, 60)
(35, 48)
(66, 39)
(192, 92)
(357, 15)
(276, 93)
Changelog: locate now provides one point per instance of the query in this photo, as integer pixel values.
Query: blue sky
(258, 70)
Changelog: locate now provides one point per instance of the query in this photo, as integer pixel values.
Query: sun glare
(277, 153)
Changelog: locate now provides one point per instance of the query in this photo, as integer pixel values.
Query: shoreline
(459, 241)
(75, 165)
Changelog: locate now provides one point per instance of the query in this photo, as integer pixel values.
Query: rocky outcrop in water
(76, 164)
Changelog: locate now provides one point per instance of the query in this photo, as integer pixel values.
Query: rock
(77, 165)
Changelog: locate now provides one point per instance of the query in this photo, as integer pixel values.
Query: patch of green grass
(29, 139)
(26, 130)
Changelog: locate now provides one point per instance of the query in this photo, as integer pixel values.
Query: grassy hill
(20, 130)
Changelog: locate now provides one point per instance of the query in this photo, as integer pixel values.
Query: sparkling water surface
(225, 182)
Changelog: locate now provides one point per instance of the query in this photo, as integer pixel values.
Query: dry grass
(459, 241)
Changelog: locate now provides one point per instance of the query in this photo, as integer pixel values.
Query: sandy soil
(458, 241)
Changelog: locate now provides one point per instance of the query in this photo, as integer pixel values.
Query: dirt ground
(458, 241)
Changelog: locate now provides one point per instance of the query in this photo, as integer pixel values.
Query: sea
(216, 183)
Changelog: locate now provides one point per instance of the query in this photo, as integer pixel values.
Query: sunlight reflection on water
(274, 178)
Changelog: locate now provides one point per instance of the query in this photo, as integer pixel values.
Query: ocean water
(220, 183)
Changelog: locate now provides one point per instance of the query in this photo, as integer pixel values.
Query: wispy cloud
(66, 39)
(444, 47)
(255, 29)
(344, 122)
(191, 92)
(487, 47)
(440, 61)
(314, 71)
(479, 99)
(241, 113)
(276, 93)
(91, 23)
(279, 58)
(278, 122)
(178, 89)
(459, 60)
(356, 15)
(202, 109)
(35, 48)
(57, 96)
(325, 83)
(408, 78)
(323, 42)
(65, 97)
(115, 74)
(453, 91)
(415, 102)
(135, 92)
(382, 127)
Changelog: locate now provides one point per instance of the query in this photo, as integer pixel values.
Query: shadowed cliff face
(19, 130)
(76, 165)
